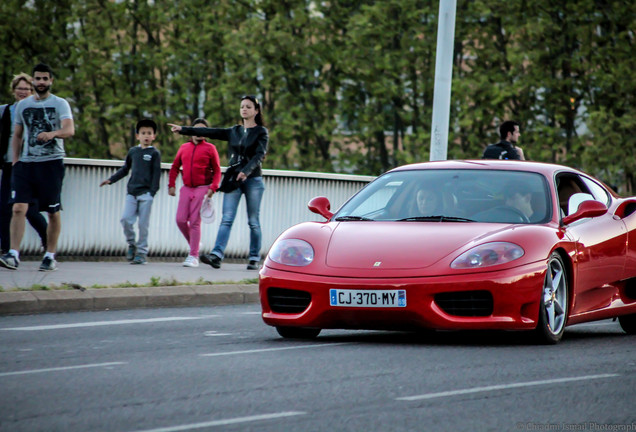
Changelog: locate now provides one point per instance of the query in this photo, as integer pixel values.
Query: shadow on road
(481, 338)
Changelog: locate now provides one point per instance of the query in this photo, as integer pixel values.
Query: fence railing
(90, 216)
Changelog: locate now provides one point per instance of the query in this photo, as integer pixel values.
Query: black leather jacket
(501, 150)
(243, 144)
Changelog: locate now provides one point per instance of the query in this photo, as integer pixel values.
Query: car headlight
(488, 254)
(292, 252)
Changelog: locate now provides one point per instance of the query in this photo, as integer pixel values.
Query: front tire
(553, 311)
(298, 332)
(628, 323)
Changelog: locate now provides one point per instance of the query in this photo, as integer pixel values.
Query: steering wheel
(502, 214)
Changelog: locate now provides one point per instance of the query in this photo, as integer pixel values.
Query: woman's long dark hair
(259, 117)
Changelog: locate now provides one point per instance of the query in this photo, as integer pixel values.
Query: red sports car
(510, 245)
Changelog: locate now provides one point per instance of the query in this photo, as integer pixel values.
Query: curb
(31, 302)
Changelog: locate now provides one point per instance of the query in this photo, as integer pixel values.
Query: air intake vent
(466, 303)
(283, 300)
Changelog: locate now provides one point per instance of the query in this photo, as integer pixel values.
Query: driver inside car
(513, 206)
(520, 200)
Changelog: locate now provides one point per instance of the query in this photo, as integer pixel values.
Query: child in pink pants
(201, 172)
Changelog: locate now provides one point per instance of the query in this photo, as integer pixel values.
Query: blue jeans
(137, 207)
(253, 189)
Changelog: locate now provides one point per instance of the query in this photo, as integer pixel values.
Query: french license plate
(367, 298)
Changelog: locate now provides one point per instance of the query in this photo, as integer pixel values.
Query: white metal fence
(90, 216)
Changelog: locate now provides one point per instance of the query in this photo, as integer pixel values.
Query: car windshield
(457, 196)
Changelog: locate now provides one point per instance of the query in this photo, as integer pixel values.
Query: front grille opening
(283, 300)
(466, 303)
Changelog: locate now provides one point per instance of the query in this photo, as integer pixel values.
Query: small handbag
(229, 182)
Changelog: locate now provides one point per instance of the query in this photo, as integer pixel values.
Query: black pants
(35, 218)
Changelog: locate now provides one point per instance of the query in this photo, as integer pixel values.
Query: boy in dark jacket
(145, 163)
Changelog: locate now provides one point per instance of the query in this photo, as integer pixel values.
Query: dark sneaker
(139, 259)
(9, 261)
(211, 259)
(48, 264)
(130, 253)
(252, 265)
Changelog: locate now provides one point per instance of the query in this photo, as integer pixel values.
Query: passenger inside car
(429, 202)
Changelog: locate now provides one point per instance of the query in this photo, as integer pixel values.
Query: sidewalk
(172, 285)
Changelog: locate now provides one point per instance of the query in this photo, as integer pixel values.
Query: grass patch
(51, 287)
(39, 287)
(155, 281)
(249, 281)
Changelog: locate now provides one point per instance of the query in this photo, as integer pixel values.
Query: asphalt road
(221, 368)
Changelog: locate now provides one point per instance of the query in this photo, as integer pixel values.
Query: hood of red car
(400, 245)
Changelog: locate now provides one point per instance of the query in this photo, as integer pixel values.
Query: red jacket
(200, 163)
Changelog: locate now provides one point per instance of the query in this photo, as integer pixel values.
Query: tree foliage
(345, 86)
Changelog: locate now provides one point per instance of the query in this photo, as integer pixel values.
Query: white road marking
(64, 368)
(503, 387)
(215, 333)
(105, 323)
(226, 422)
(272, 349)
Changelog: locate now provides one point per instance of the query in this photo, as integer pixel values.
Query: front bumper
(515, 297)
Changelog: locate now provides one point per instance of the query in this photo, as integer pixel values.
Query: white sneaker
(191, 261)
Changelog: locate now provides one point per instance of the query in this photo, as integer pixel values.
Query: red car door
(601, 250)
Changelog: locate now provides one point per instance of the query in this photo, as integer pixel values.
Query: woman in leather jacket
(247, 145)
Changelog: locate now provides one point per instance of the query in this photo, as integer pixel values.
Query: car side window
(574, 189)
(599, 192)
(571, 187)
(566, 187)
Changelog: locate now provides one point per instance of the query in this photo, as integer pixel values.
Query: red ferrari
(455, 245)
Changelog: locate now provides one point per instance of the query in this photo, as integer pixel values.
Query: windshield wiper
(436, 218)
(352, 218)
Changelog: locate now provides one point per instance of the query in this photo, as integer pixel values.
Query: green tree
(610, 96)
(389, 62)
(345, 86)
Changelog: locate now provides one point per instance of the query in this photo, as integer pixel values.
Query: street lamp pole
(443, 79)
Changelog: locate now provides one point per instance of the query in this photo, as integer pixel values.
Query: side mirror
(320, 205)
(586, 209)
